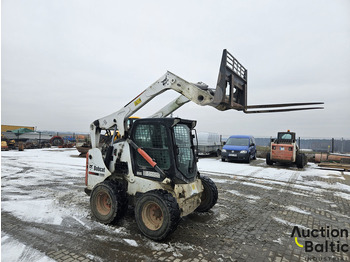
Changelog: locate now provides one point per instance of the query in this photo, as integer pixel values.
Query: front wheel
(157, 214)
(108, 202)
(209, 195)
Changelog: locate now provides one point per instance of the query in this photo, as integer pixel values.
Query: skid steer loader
(152, 166)
(284, 149)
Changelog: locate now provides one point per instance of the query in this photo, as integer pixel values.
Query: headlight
(243, 151)
(224, 150)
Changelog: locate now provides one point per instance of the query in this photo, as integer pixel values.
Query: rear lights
(273, 147)
(290, 148)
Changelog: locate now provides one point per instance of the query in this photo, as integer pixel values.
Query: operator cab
(169, 142)
(285, 137)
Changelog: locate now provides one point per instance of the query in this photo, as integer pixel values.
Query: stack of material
(334, 161)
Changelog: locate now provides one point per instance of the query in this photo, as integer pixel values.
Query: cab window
(153, 138)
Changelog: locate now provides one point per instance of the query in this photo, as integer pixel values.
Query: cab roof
(242, 136)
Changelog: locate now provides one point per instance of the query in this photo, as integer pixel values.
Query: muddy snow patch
(257, 185)
(160, 246)
(16, 251)
(279, 241)
(282, 221)
(131, 242)
(298, 210)
(342, 195)
(222, 216)
(251, 197)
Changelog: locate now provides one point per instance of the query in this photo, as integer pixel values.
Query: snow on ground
(274, 175)
(298, 210)
(26, 194)
(45, 210)
(131, 242)
(252, 197)
(38, 168)
(342, 195)
(282, 221)
(257, 185)
(14, 251)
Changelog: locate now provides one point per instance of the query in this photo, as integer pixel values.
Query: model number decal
(151, 174)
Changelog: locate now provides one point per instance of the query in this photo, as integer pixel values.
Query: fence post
(332, 145)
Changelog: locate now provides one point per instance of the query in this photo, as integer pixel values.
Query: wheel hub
(152, 216)
(104, 203)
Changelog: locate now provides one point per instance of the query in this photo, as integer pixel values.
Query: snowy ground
(46, 216)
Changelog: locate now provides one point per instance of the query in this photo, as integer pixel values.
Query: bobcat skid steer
(284, 149)
(152, 166)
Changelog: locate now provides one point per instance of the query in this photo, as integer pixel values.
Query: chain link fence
(331, 145)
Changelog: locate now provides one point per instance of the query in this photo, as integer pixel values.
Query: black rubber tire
(209, 196)
(249, 158)
(223, 159)
(157, 203)
(268, 159)
(305, 159)
(108, 202)
(301, 160)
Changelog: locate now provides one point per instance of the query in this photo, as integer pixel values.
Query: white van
(209, 143)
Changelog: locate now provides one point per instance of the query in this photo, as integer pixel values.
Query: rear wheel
(268, 159)
(301, 160)
(209, 196)
(157, 214)
(108, 202)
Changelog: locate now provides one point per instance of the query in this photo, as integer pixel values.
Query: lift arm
(168, 81)
(230, 93)
(171, 107)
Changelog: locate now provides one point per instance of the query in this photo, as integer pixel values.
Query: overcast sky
(66, 63)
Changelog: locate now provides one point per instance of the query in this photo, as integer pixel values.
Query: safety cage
(169, 142)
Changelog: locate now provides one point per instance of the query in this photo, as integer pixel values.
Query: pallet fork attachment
(231, 90)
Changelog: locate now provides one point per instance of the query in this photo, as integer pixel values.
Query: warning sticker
(138, 101)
